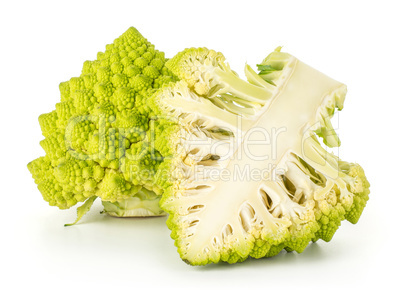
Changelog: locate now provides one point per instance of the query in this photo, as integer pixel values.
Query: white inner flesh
(218, 209)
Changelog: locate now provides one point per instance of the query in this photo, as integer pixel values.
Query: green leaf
(265, 69)
(82, 210)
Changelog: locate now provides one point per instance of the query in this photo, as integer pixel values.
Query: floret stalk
(317, 157)
(328, 133)
(256, 79)
(240, 88)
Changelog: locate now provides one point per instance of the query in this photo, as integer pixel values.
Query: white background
(46, 42)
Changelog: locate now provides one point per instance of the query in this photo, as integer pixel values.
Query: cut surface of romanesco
(248, 176)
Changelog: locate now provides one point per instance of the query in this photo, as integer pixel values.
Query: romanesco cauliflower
(100, 129)
(248, 176)
(239, 164)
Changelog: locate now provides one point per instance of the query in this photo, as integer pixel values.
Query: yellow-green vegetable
(248, 176)
(237, 164)
(102, 116)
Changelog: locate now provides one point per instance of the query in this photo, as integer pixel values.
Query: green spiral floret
(140, 82)
(47, 123)
(124, 98)
(151, 72)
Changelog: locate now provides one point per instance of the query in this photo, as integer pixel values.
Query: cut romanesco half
(244, 173)
(100, 130)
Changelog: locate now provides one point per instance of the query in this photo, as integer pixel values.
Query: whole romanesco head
(100, 128)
